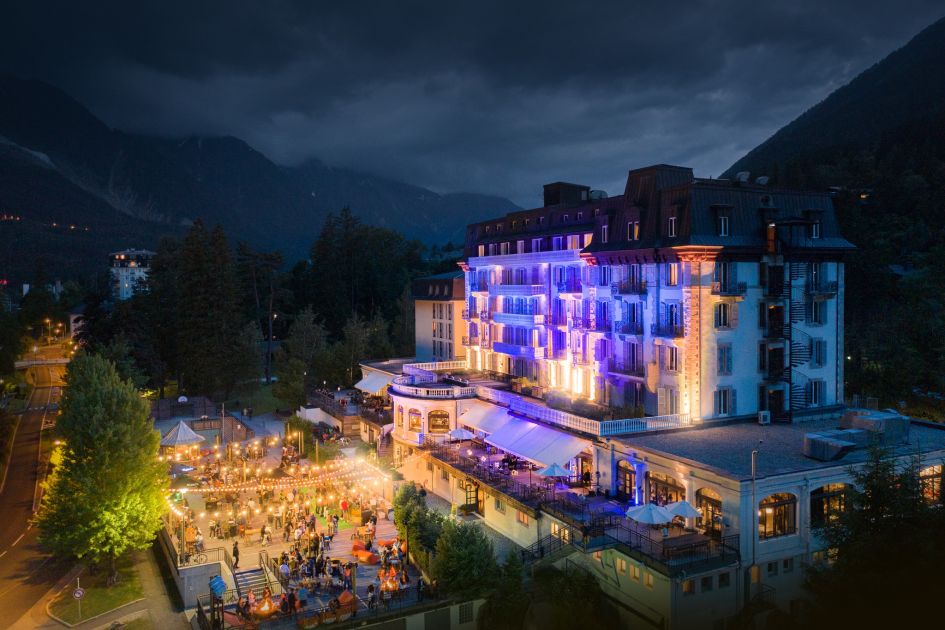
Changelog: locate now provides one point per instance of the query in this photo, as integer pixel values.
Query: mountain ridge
(165, 183)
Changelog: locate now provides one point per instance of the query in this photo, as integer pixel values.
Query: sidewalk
(156, 604)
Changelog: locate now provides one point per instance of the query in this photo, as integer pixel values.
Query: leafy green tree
(570, 598)
(11, 342)
(107, 495)
(307, 338)
(888, 547)
(290, 381)
(464, 564)
(506, 605)
(209, 322)
(118, 352)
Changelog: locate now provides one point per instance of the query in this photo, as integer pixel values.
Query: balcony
(479, 286)
(404, 385)
(484, 315)
(569, 287)
(668, 329)
(774, 332)
(629, 287)
(776, 290)
(626, 368)
(822, 289)
(559, 319)
(775, 374)
(580, 360)
(630, 328)
(515, 350)
(470, 314)
(470, 341)
(601, 325)
(579, 323)
(516, 289)
(525, 320)
(729, 289)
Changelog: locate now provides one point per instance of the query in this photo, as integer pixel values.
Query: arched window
(663, 489)
(399, 418)
(930, 481)
(709, 502)
(777, 516)
(438, 422)
(415, 420)
(827, 503)
(626, 481)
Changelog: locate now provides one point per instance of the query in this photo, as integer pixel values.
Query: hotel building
(680, 341)
(438, 316)
(129, 267)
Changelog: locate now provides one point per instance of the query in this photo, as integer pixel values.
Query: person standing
(236, 555)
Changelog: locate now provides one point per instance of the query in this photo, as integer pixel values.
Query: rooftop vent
(763, 180)
(742, 177)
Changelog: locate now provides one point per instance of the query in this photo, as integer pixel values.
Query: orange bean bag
(357, 546)
(387, 543)
(366, 557)
(346, 598)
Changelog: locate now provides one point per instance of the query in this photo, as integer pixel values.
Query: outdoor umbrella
(684, 509)
(461, 434)
(649, 514)
(553, 471)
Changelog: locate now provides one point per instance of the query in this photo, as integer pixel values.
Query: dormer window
(815, 229)
(671, 227)
(488, 229)
(525, 222)
(580, 216)
(541, 220)
(633, 231)
(565, 218)
(498, 227)
(723, 225)
(814, 226)
(596, 212)
(514, 224)
(603, 234)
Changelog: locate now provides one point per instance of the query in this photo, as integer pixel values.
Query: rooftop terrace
(727, 449)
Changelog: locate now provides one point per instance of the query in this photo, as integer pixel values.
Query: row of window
(437, 421)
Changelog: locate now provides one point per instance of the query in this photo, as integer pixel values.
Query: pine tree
(107, 495)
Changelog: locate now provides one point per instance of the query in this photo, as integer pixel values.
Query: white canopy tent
(181, 435)
(484, 417)
(538, 443)
(374, 383)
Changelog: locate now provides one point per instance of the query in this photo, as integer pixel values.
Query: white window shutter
(733, 315)
(661, 401)
(733, 407)
(728, 360)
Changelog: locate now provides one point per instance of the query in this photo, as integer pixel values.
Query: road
(26, 573)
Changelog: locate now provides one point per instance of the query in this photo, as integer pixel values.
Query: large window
(709, 503)
(777, 516)
(415, 420)
(399, 417)
(626, 481)
(663, 489)
(827, 503)
(930, 480)
(438, 422)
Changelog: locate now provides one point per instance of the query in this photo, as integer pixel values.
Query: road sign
(78, 593)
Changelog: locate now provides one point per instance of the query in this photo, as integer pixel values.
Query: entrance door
(474, 497)
(776, 402)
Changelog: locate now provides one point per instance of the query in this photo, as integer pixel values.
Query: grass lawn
(98, 597)
(141, 623)
(262, 401)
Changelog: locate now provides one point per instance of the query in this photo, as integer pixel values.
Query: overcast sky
(492, 97)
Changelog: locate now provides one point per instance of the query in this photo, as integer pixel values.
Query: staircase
(800, 396)
(251, 580)
(801, 348)
(385, 448)
(549, 548)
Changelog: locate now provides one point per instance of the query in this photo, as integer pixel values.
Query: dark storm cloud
(486, 96)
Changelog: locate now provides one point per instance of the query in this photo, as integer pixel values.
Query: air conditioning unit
(764, 417)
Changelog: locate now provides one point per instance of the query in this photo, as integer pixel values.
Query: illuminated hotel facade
(680, 341)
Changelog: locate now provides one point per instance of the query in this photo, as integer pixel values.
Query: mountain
(879, 144)
(59, 164)
(905, 87)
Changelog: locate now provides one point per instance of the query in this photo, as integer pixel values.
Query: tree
(307, 338)
(290, 381)
(11, 342)
(261, 269)
(888, 548)
(118, 352)
(506, 605)
(209, 322)
(464, 564)
(569, 598)
(107, 495)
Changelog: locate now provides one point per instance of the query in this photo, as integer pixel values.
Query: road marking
(17, 540)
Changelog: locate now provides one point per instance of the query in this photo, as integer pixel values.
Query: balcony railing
(516, 289)
(626, 368)
(777, 289)
(579, 323)
(776, 331)
(484, 316)
(629, 287)
(642, 425)
(668, 329)
(775, 374)
(470, 314)
(402, 385)
(515, 350)
(559, 319)
(729, 288)
(601, 325)
(569, 287)
(479, 286)
(630, 328)
(527, 320)
(822, 289)
(470, 341)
